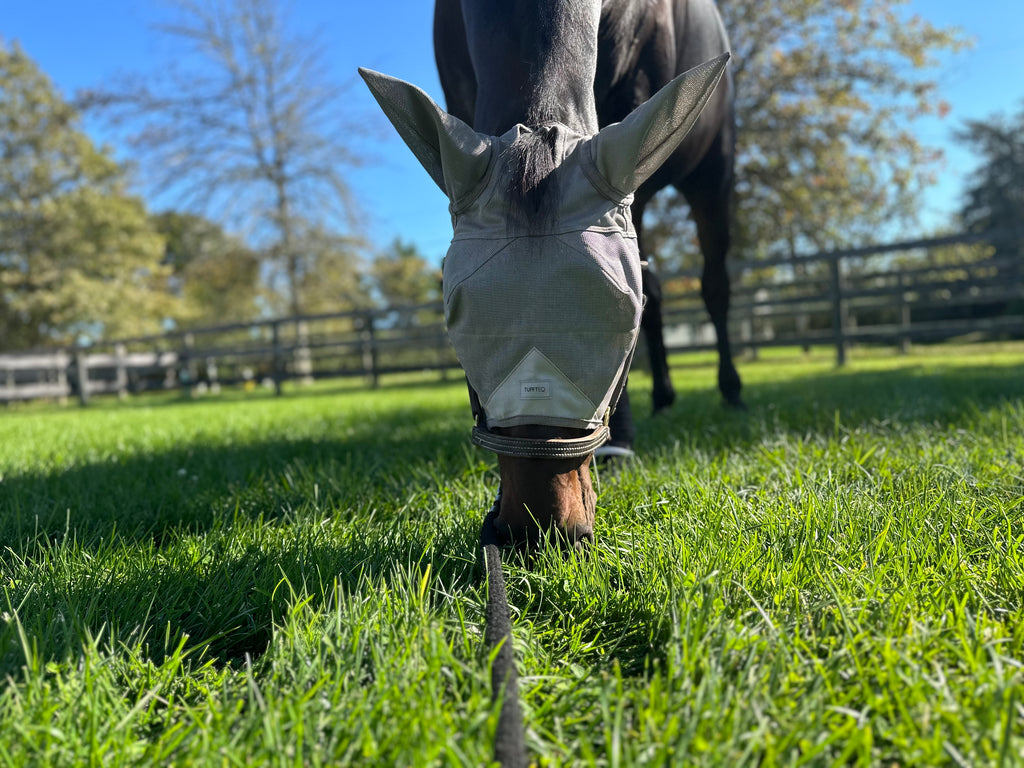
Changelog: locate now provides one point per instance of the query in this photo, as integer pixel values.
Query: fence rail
(972, 284)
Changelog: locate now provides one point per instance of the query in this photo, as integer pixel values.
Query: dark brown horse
(504, 62)
(543, 282)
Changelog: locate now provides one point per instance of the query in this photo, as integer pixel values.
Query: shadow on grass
(225, 604)
(229, 602)
(808, 406)
(141, 496)
(108, 547)
(235, 393)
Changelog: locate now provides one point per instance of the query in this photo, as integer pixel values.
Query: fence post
(63, 363)
(122, 371)
(211, 375)
(303, 357)
(9, 382)
(370, 350)
(838, 311)
(904, 306)
(82, 375)
(170, 368)
(186, 364)
(747, 335)
(802, 326)
(277, 365)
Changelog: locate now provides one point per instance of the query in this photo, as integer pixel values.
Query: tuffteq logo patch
(534, 390)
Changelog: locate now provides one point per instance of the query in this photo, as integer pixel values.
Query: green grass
(834, 577)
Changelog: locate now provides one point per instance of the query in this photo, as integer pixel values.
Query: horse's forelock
(532, 183)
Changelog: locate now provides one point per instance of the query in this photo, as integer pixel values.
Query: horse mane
(532, 184)
(557, 42)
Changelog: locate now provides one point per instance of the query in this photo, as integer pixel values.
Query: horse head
(542, 283)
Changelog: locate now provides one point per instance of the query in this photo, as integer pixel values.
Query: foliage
(245, 127)
(833, 578)
(78, 256)
(826, 98)
(330, 273)
(953, 257)
(215, 273)
(221, 277)
(994, 198)
(401, 276)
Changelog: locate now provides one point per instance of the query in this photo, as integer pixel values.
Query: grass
(834, 577)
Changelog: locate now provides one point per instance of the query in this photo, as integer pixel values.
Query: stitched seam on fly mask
(548, 361)
(489, 179)
(528, 420)
(484, 262)
(704, 97)
(599, 182)
(610, 276)
(478, 190)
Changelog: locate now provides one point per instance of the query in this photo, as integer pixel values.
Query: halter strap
(538, 448)
(509, 737)
(533, 448)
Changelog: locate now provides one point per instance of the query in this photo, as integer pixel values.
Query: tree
(216, 274)
(78, 256)
(243, 126)
(994, 197)
(402, 276)
(826, 96)
(330, 279)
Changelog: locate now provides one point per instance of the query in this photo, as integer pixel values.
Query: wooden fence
(888, 294)
(369, 343)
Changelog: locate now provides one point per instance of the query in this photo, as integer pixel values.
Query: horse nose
(530, 539)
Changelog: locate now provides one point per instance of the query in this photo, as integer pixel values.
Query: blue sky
(81, 44)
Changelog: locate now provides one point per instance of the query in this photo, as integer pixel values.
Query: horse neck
(535, 62)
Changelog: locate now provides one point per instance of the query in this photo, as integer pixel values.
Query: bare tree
(244, 125)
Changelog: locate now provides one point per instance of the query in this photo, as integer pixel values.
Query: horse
(502, 63)
(543, 285)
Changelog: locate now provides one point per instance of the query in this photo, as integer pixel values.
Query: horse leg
(663, 394)
(708, 191)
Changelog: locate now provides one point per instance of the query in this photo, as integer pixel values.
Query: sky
(83, 44)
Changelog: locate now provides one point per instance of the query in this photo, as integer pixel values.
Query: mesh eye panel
(574, 298)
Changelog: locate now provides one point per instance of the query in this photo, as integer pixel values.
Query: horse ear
(628, 153)
(455, 156)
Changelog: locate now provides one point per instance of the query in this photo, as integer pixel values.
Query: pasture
(834, 577)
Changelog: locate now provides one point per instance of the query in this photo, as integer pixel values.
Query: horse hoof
(734, 403)
(662, 402)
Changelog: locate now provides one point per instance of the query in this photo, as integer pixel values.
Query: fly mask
(544, 315)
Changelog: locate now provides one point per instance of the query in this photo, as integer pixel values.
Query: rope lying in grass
(509, 739)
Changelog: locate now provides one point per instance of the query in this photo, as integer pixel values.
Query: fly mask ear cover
(544, 317)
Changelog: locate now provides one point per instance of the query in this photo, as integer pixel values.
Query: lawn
(834, 577)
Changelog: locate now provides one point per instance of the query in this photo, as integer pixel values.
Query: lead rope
(509, 738)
